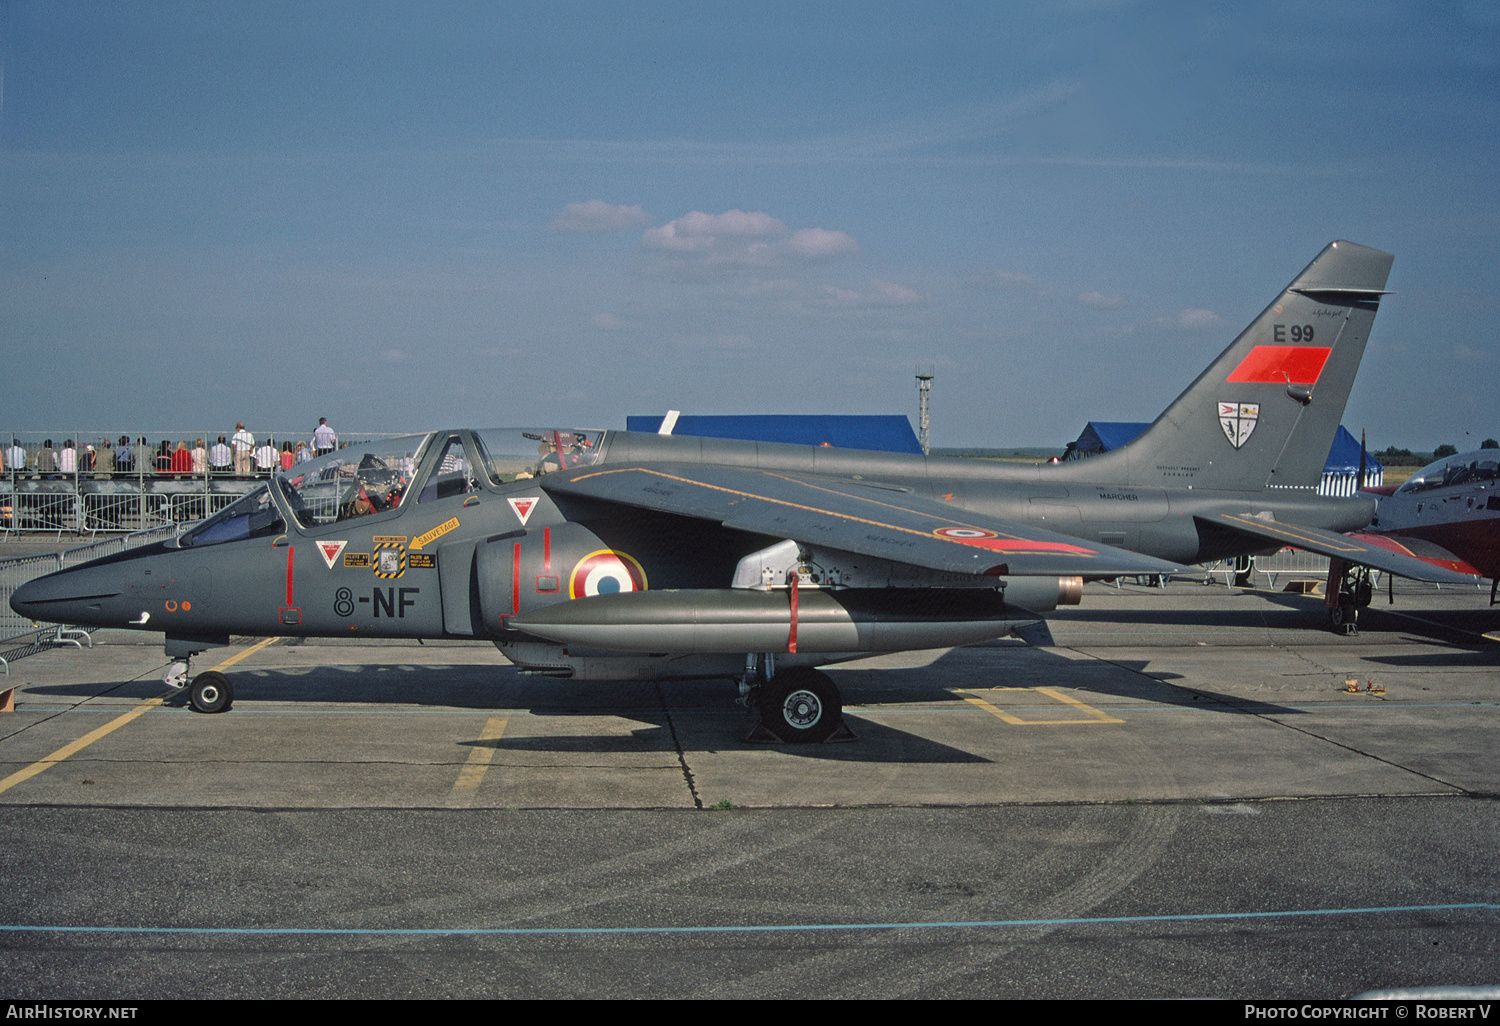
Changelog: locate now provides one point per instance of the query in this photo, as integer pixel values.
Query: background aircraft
(1448, 514)
(620, 555)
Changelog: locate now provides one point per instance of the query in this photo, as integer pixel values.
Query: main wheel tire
(1342, 618)
(211, 692)
(801, 705)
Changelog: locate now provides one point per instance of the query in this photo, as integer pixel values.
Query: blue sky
(404, 216)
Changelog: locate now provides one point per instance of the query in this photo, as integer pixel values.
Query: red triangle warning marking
(330, 551)
(523, 507)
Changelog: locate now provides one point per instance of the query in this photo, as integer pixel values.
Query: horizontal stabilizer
(1358, 549)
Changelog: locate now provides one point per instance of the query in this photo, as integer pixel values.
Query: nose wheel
(210, 692)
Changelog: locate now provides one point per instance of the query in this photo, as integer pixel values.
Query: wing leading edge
(869, 519)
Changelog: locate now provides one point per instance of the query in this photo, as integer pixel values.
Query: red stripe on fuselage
(515, 579)
(1298, 365)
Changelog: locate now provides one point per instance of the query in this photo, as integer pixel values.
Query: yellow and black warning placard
(390, 561)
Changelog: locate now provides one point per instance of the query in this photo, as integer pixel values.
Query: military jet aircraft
(617, 555)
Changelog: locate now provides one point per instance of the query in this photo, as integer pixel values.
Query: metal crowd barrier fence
(1297, 565)
(1292, 564)
(16, 630)
(87, 492)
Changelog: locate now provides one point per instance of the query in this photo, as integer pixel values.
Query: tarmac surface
(1178, 799)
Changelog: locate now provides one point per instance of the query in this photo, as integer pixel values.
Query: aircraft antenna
(924, 389)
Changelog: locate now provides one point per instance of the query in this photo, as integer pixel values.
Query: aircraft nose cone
(64, 597)
(24, 600)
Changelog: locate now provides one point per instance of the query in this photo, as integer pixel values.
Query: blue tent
(882, 433)
(1102, 436)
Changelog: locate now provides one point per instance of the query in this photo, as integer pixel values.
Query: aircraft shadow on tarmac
(873, 742)
(947, 678)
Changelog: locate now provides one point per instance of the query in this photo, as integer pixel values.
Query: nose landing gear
(210, 692)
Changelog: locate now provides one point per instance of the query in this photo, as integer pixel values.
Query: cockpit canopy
(390, 474)
(1465, 468)
(513, 454)
(354, 481)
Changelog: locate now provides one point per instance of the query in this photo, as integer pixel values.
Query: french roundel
(606, 572)
(964, 534)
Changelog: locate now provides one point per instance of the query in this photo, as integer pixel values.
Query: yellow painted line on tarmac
(69, 750)
(480, 756)
(245, 654)
(1091, 715)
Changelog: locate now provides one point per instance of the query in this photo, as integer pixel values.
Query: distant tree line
(1394, 457)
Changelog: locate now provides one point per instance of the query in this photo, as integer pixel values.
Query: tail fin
(1264, 413)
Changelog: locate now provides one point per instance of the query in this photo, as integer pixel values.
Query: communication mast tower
(924, 388)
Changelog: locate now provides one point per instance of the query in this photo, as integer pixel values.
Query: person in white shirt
(219, 457)
(243, 444)
(324, 440)
(266, 457)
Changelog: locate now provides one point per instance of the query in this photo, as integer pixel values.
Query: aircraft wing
(1420, 548)
(1378, 553)
(871, 519)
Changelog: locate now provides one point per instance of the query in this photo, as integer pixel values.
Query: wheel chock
(842, 734)
(8, 700)
(759, 735)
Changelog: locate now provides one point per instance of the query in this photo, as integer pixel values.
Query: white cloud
(597, 217)
(818, 243)
(1196, 320)
(880, 294)
(1101, 300)
(892, 294)
(738, 238)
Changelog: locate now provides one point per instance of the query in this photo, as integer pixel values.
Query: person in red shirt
(182, 459)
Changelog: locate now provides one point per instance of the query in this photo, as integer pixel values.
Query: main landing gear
(799, 705)
(209, 692)
(1349, 591)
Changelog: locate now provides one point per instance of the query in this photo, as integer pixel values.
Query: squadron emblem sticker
(1238, 421)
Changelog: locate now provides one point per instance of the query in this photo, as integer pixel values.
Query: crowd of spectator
(236, 455)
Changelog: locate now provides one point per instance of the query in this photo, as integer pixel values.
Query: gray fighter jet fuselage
(618, 555)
